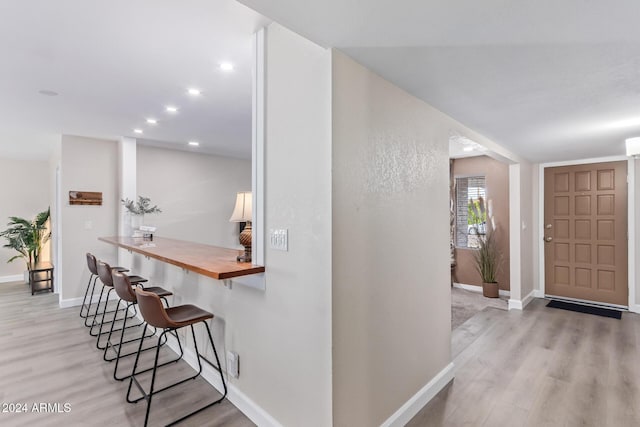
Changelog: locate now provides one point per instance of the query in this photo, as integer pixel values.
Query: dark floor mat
(598, 311)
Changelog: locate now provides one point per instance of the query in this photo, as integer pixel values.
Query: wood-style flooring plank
(48, 357)
(541, 367)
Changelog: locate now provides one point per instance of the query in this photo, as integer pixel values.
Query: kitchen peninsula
(212, 261)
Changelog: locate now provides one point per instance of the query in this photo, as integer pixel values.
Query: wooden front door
(585, 232)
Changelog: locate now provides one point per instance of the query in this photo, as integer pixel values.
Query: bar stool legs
(217, 367)
(105, 273)
(103, 322)
(148, 396)
(171, 319)
(84, 305)
(122, 285)
(85, 308)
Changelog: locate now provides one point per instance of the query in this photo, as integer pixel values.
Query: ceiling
(116, 63)
(548, 80)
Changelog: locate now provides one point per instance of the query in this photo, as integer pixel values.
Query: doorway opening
(479, 211)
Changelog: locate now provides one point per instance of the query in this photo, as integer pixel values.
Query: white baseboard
(14, 278)
(515, 304)
(74, 302)
(537, 293)
(476, 288)
(407, 411)
(634, 308)
(247, 406)
(528, 298)
(520, 305)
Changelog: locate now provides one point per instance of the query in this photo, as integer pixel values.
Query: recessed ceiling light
(47, 92)
(139, 131)
(467, 148)
(194, 92)
(171, 109)
(152, 121)
(194, 143)
(226, 66)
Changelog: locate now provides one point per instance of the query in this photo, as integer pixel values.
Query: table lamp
(242, 213)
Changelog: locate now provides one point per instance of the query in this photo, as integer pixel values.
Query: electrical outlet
(279, 239)
(233, 364)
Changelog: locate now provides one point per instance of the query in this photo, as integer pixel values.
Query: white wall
(636, 221)
(526, 228)
(296, 354)
(391, 292)
(536, 236)
(86, 165)
(55, 158)
(24, 192)
(196, 192)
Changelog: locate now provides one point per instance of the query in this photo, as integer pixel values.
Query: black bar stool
(169, 320)
(85, 308)
(104, 273)
(124, 289)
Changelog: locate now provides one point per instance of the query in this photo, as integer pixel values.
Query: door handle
(547, 239)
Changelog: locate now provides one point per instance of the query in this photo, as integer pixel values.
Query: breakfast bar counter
(212, 261)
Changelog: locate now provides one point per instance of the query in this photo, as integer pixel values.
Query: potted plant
(141, 207)
(487, 258)
(27, 237)
(138, 209)
(487, 255)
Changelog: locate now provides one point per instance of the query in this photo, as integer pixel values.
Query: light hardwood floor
(47, 356)
(541, 367)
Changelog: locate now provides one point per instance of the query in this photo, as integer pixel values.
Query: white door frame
(631, 215)
(57, 234)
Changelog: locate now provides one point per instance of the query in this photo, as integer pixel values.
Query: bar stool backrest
(91, 263)
(122, 285)
(152, 310)
(104, 272)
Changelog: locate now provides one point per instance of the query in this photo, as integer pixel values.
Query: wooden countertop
(211, 261)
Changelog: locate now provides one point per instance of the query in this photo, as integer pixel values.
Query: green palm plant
(27, 237)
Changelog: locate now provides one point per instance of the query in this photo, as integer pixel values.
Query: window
(471, 215)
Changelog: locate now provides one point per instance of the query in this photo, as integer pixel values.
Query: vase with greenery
(138, 209)
(141, 207)
(27, 237)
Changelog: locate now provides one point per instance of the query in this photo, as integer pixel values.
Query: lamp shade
(242, 211)
(633, 146)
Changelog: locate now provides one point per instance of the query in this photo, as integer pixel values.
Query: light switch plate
(279, 239)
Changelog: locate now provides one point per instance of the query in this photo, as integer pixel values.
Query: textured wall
(391, 292)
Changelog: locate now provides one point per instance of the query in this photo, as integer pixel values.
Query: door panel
(585, 232)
